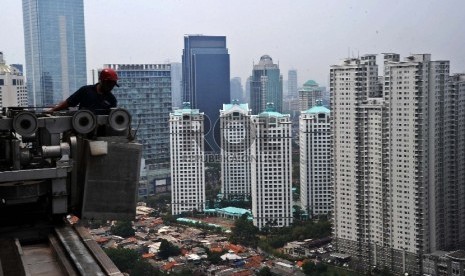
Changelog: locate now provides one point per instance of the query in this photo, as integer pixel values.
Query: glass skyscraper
(205, 72)
(176, 85)
(145, 91)
(266, 86)
(55, 47)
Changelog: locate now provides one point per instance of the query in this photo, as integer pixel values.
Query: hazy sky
(305, 35)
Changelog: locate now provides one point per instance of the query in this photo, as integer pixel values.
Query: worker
(96, 98)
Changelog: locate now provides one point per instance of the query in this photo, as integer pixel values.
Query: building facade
(455, 103)
(12, 85)
(187, 160)
(271, 169)
(359, 212)
(145, 91)
(309, 94)
(266, 86)
(176, 85)
(315, 161)
(205, 72)
(397, 187)
(55, 46)
(237, 91)
(292, 85)
(236, 139)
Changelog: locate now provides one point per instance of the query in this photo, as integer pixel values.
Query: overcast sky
(306, 35)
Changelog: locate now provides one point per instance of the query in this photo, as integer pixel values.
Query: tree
(244, 232)
(310, 268)
(298, 212)
(168, 219)
(215, 257)
(123, 258)
(123, 229)
(143, 268)
(167, 249)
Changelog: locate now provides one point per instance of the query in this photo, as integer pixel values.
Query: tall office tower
(309, 94)
(236, 140)
(285, 88)
(55, 48)
(145, 91)
(315, 160)
(248, 87)
(205, 72)
(237, 91)
(187, 160)
(12, 86)
(176, 85)
(271, 169)
(396, 161)
(266, 86)
(292, 86)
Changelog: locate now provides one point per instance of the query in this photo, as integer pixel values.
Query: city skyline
(335, 31)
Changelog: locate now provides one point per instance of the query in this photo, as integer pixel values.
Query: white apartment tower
(350, 83)
(315, 160)
(271, 169)
(396, 184)
(414, 94)
(455, 212)
(187, 160)
(13, 92)
(236, 129)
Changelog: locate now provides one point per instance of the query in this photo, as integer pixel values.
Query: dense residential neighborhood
(183, 246)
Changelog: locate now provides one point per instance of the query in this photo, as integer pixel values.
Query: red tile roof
(168, 266)
(242, 273)
(254, 261)
(148, 255)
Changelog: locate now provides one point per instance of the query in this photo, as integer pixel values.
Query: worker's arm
(63, 105)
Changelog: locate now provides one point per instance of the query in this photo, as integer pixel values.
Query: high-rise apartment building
(12, 85)
(455, 193)
(55, 47)
(205, 63)
(266, 86)
(315, 160)
(236, 139)
(145, 91)
(309, 94)
(396, 189)
(187, 160)
(271, 169)
(292, 86)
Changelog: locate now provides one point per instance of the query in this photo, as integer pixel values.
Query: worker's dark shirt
(88, 98)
